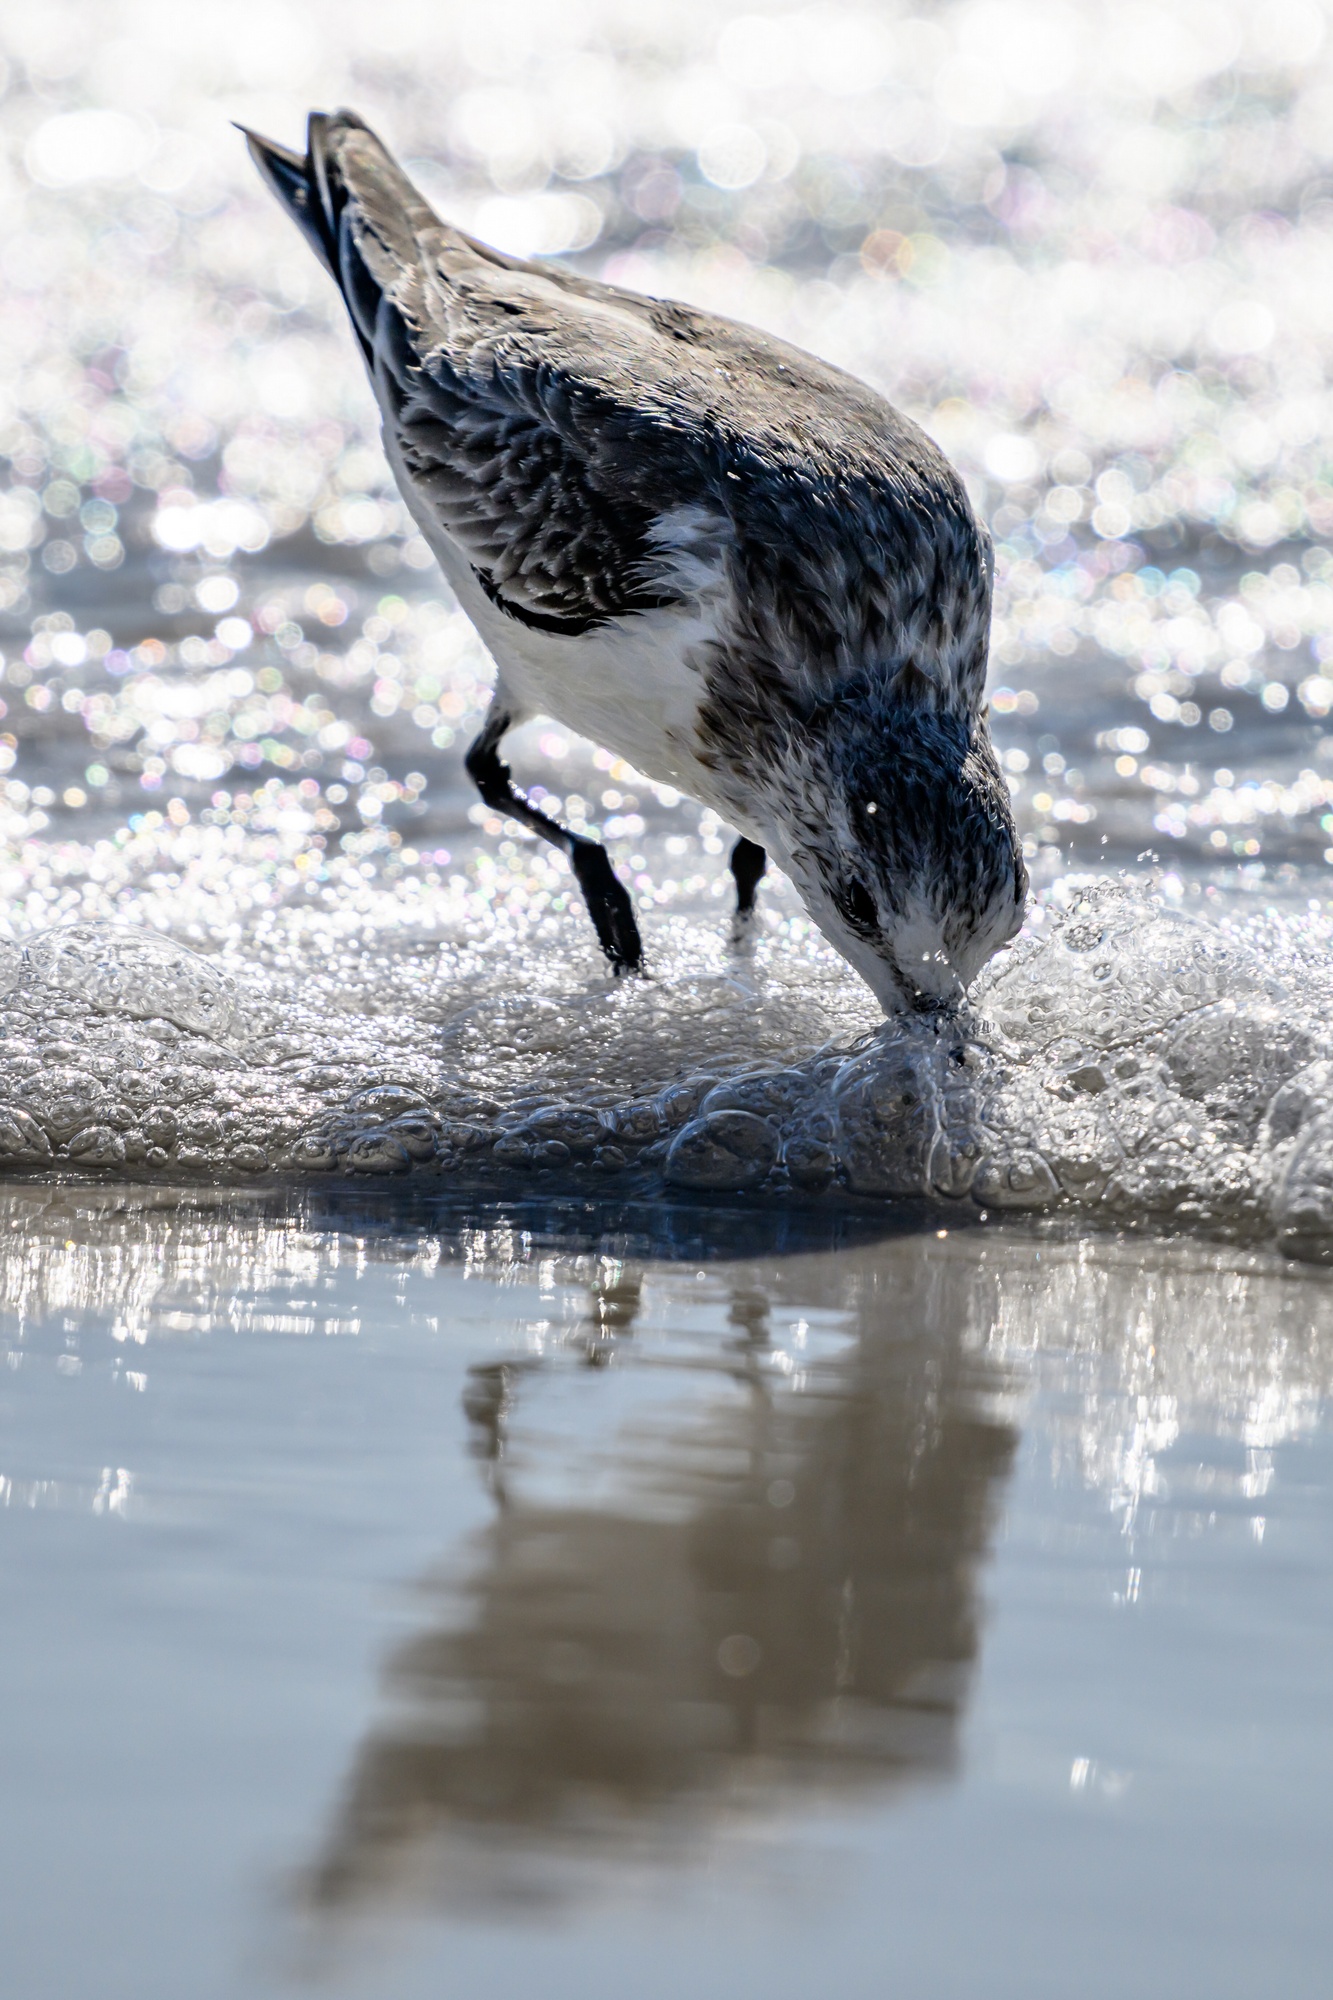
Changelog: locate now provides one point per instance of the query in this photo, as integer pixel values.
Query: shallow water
(515, 1481)
(1126, 1061)
(416, 1599)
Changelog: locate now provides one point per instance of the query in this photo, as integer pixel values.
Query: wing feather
(553, 425)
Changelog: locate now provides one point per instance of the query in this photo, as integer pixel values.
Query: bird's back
(594, 453)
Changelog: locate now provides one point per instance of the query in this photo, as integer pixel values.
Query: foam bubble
(1112, 971)
(724, 1149)
(1123, 1061)
(119, 970)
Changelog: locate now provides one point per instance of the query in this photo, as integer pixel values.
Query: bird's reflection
(779, 1596)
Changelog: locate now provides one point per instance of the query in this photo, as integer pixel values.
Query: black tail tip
(268, 155)
(290, 175)
(287, 173)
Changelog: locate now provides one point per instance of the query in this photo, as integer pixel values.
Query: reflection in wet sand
(740, 1466)
(775, 1589)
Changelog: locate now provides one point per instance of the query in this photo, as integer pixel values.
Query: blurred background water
(803, 1595)
(1089, 248)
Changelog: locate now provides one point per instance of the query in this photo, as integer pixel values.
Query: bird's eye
(858, 906)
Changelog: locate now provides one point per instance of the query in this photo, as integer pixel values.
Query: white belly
(633, 688)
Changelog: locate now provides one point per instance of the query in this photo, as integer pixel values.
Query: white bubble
(85, 146)
(1011, 458)
(119, 970)
(539, 225)
(11, 964)
(1243, 326)
(216, 593)
(733, 156)
(219, 527)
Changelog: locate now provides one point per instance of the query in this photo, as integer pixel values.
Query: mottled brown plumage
(726, 559)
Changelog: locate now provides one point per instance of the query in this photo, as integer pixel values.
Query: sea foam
(1124, 1059)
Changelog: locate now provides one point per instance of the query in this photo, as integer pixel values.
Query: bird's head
(903, 846)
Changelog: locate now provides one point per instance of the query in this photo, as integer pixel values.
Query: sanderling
(739, 568)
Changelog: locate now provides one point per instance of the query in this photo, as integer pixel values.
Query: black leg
(748, 862)
(605, 894)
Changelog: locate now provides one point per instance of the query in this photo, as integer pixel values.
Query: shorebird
(736, 566)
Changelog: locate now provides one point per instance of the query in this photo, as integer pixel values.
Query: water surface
(417, 1600)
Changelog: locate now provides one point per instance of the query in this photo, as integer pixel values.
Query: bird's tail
(353, 203)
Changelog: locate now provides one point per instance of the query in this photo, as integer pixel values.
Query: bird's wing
(595, 453)
(505, 398)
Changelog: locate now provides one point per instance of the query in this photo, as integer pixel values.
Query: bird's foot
(609, 906)
(744, 930)
(748, 862)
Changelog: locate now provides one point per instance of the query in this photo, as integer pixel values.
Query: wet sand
(406, 1599)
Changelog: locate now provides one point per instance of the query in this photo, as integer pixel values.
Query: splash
(1124, 1060)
